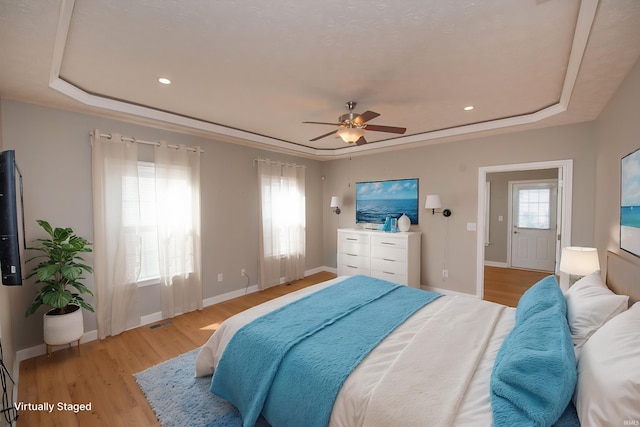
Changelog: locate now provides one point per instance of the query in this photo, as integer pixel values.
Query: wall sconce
(433, 203)
(578, 262)
(335, 202)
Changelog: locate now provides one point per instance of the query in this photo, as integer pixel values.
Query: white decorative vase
(60, 329)
(404, 223)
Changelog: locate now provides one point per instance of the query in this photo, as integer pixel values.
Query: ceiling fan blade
(322, 136)
(365, 117)
(361, 141)
(323, 123)
(390, 129)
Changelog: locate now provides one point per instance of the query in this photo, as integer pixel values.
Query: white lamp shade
(433, 202)
(579, 261)
(335, 202)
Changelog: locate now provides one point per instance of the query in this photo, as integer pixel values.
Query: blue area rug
(180, 399)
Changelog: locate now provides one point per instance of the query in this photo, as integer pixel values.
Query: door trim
(565, 187)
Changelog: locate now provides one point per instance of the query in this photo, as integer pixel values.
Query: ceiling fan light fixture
(350, 134)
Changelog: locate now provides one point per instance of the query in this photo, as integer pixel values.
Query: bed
(453, 360)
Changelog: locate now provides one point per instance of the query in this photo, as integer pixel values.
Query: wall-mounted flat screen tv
(12, 240)
(377, 200)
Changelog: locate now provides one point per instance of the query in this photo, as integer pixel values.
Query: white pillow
(608, 388)
(590, 304)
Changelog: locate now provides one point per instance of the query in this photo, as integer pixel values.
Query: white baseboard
(229, 295)
(496, 264)
(320, 270)
(92, 335)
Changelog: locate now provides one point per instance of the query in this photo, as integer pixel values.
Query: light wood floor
(101, 372)
(506, 285)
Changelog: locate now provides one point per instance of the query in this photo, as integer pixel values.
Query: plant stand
(49, 346)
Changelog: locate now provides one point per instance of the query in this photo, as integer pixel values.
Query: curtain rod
(275, 161)
(156, 143)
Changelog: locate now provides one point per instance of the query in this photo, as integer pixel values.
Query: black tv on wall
(377, 200)
(12, 240)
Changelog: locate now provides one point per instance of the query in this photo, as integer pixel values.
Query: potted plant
(59, 271)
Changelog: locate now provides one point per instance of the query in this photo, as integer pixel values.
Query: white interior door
(533, 219)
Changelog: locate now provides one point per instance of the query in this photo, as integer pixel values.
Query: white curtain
(139, 206)
(282, 222)
(178, 222)
(116, 247)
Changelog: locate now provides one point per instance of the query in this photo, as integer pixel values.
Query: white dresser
(390, 256)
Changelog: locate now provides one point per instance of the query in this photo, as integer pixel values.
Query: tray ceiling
(252, 71)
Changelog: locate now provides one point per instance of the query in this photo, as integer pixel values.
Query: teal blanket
(290, 363)
(534, 374)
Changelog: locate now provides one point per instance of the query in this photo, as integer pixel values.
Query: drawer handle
(352, 266)
(352, 239)
(387, 259)
(389, 272)
(388, 243)
(352, 254)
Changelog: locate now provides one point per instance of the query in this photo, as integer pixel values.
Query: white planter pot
(63, 329)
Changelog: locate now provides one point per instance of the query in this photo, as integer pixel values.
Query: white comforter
(435, 366)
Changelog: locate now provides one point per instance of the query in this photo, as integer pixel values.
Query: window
(534, 208)
(288, 213)
(139, 217)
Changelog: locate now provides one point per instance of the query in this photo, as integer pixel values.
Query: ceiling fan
(351, 126)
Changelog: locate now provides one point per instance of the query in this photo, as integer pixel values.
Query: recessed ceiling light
(468, 108)
(164, 81)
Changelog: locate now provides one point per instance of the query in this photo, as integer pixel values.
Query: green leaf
(35, 305)
(61, 234)
(85, 305)
(58, 299)
(85, 267)
(71, 272)
(47, 271)
(81, 288)
(46, 226)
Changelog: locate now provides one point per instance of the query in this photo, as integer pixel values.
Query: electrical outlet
(445, 273)
(219, 277)
(243, 272)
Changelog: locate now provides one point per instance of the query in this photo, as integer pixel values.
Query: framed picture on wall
(630, 203)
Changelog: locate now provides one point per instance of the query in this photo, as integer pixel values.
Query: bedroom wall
(53, 150)
(451, 170)
(617, 134)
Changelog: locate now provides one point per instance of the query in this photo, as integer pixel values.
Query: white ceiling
(252, 71)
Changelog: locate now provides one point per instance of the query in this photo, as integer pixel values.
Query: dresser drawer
(353, 238)
(350, 265)
(389, 241)
(352, 248)
(353, 260)
(391, 277)
(392, 253)
(389, 266)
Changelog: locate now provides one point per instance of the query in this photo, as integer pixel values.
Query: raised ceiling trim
(584, 24)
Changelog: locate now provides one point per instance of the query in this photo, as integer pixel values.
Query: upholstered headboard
(623, 276)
